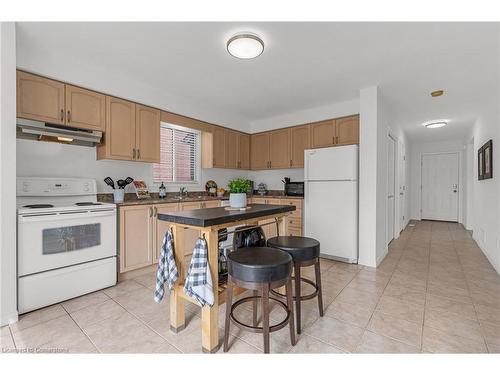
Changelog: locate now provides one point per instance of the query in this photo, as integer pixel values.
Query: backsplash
(45, 159)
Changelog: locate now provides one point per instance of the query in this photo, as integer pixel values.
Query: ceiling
(304, 65)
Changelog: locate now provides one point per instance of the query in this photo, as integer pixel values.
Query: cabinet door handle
(150, 211)
(290, 162)
(138, 153)
(62, 114)
(133, 153)
(69, 116)
(155, 212)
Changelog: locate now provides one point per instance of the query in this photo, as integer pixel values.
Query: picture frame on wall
(480, 164)
(488, 160)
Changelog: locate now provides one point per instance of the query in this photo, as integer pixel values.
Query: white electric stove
(66, 241)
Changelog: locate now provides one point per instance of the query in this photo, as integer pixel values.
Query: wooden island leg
(177, 314)
(210, 315)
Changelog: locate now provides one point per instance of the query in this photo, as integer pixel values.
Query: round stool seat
(300, 248)
(259, 264)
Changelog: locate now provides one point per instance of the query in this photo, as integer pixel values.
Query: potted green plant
(238, 188)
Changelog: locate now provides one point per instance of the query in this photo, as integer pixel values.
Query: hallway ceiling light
(245, 46)
(435, 124)
(437, 93)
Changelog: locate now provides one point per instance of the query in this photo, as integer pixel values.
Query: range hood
(42, 131)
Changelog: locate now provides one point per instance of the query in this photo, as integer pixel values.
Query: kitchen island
(209, 221)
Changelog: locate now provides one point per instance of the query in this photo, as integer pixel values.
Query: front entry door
(440, 186)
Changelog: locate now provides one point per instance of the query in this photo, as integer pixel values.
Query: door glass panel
(64, 239)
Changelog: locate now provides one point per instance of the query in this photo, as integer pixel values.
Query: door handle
(138, 153)
(69, 116)
(155, 211)
(390, 196)
(133, 153)
(150, 211)
(62, 114)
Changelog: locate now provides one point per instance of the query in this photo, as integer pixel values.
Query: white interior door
(440, 186)
(402, 187)
(391, 146)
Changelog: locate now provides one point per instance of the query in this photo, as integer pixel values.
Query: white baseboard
(478, 243)
(9, 318)
(382, 256)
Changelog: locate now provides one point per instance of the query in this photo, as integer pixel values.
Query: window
(179, 155)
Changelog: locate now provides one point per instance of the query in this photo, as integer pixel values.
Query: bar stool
(304, 252)
(259, 269)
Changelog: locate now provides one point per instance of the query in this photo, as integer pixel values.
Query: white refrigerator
(331, 201)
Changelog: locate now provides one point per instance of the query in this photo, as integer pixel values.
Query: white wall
(273, 177)
(486, 212)
(371, 184)
(417, 149)
(325, 112)
(45, 159)
(8, 265)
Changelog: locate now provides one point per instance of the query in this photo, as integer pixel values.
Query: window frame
(197, 166)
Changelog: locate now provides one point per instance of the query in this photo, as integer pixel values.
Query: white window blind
(179, 155)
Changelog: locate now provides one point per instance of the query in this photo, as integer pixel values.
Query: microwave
(294, 189)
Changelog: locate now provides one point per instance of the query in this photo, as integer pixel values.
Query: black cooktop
(39, 206)
(87, 204)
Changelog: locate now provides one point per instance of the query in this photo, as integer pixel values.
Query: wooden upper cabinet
(219, 147)
(323, 134)
(244, 151)
(279, 148)
(40, 98)
(299, 141)
(259, 151)
(147, 134)
(119, 138)
(232, 149)
(347, 130)
(85, 109)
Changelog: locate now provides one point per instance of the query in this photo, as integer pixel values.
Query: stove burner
(39, 206)
(87, 204)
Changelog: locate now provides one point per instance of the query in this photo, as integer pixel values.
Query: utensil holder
(118, 195)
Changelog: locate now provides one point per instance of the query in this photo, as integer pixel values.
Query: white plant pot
(238, 200)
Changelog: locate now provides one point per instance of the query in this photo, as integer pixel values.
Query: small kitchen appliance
(66, 240)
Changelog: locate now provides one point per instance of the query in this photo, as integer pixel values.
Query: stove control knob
(86, 186)
(26, 187)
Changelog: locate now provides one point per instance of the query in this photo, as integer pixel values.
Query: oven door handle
(64, 216)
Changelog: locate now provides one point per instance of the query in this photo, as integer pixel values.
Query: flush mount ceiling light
(435, 124)
(437, 93)
(245, 46)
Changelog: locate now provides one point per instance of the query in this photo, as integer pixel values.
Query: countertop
(131, 198)
(207, 217)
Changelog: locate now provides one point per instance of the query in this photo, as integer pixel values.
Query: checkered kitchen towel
(198, 283)
(167, 269)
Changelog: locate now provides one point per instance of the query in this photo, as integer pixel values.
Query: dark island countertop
(207, 217)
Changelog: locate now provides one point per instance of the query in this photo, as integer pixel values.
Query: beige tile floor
(434, 292)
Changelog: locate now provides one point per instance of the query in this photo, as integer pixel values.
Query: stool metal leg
(265, 316)
(229, 303)
(296, 271)
(289, 303)
(255, 307)
(317, 269)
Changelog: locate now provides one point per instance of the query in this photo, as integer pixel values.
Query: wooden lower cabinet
(294, 220)
(141, 233)
(136, 237)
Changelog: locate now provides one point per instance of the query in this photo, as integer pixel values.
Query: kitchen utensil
(128, 180)
(121, 184)
(109, 181)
